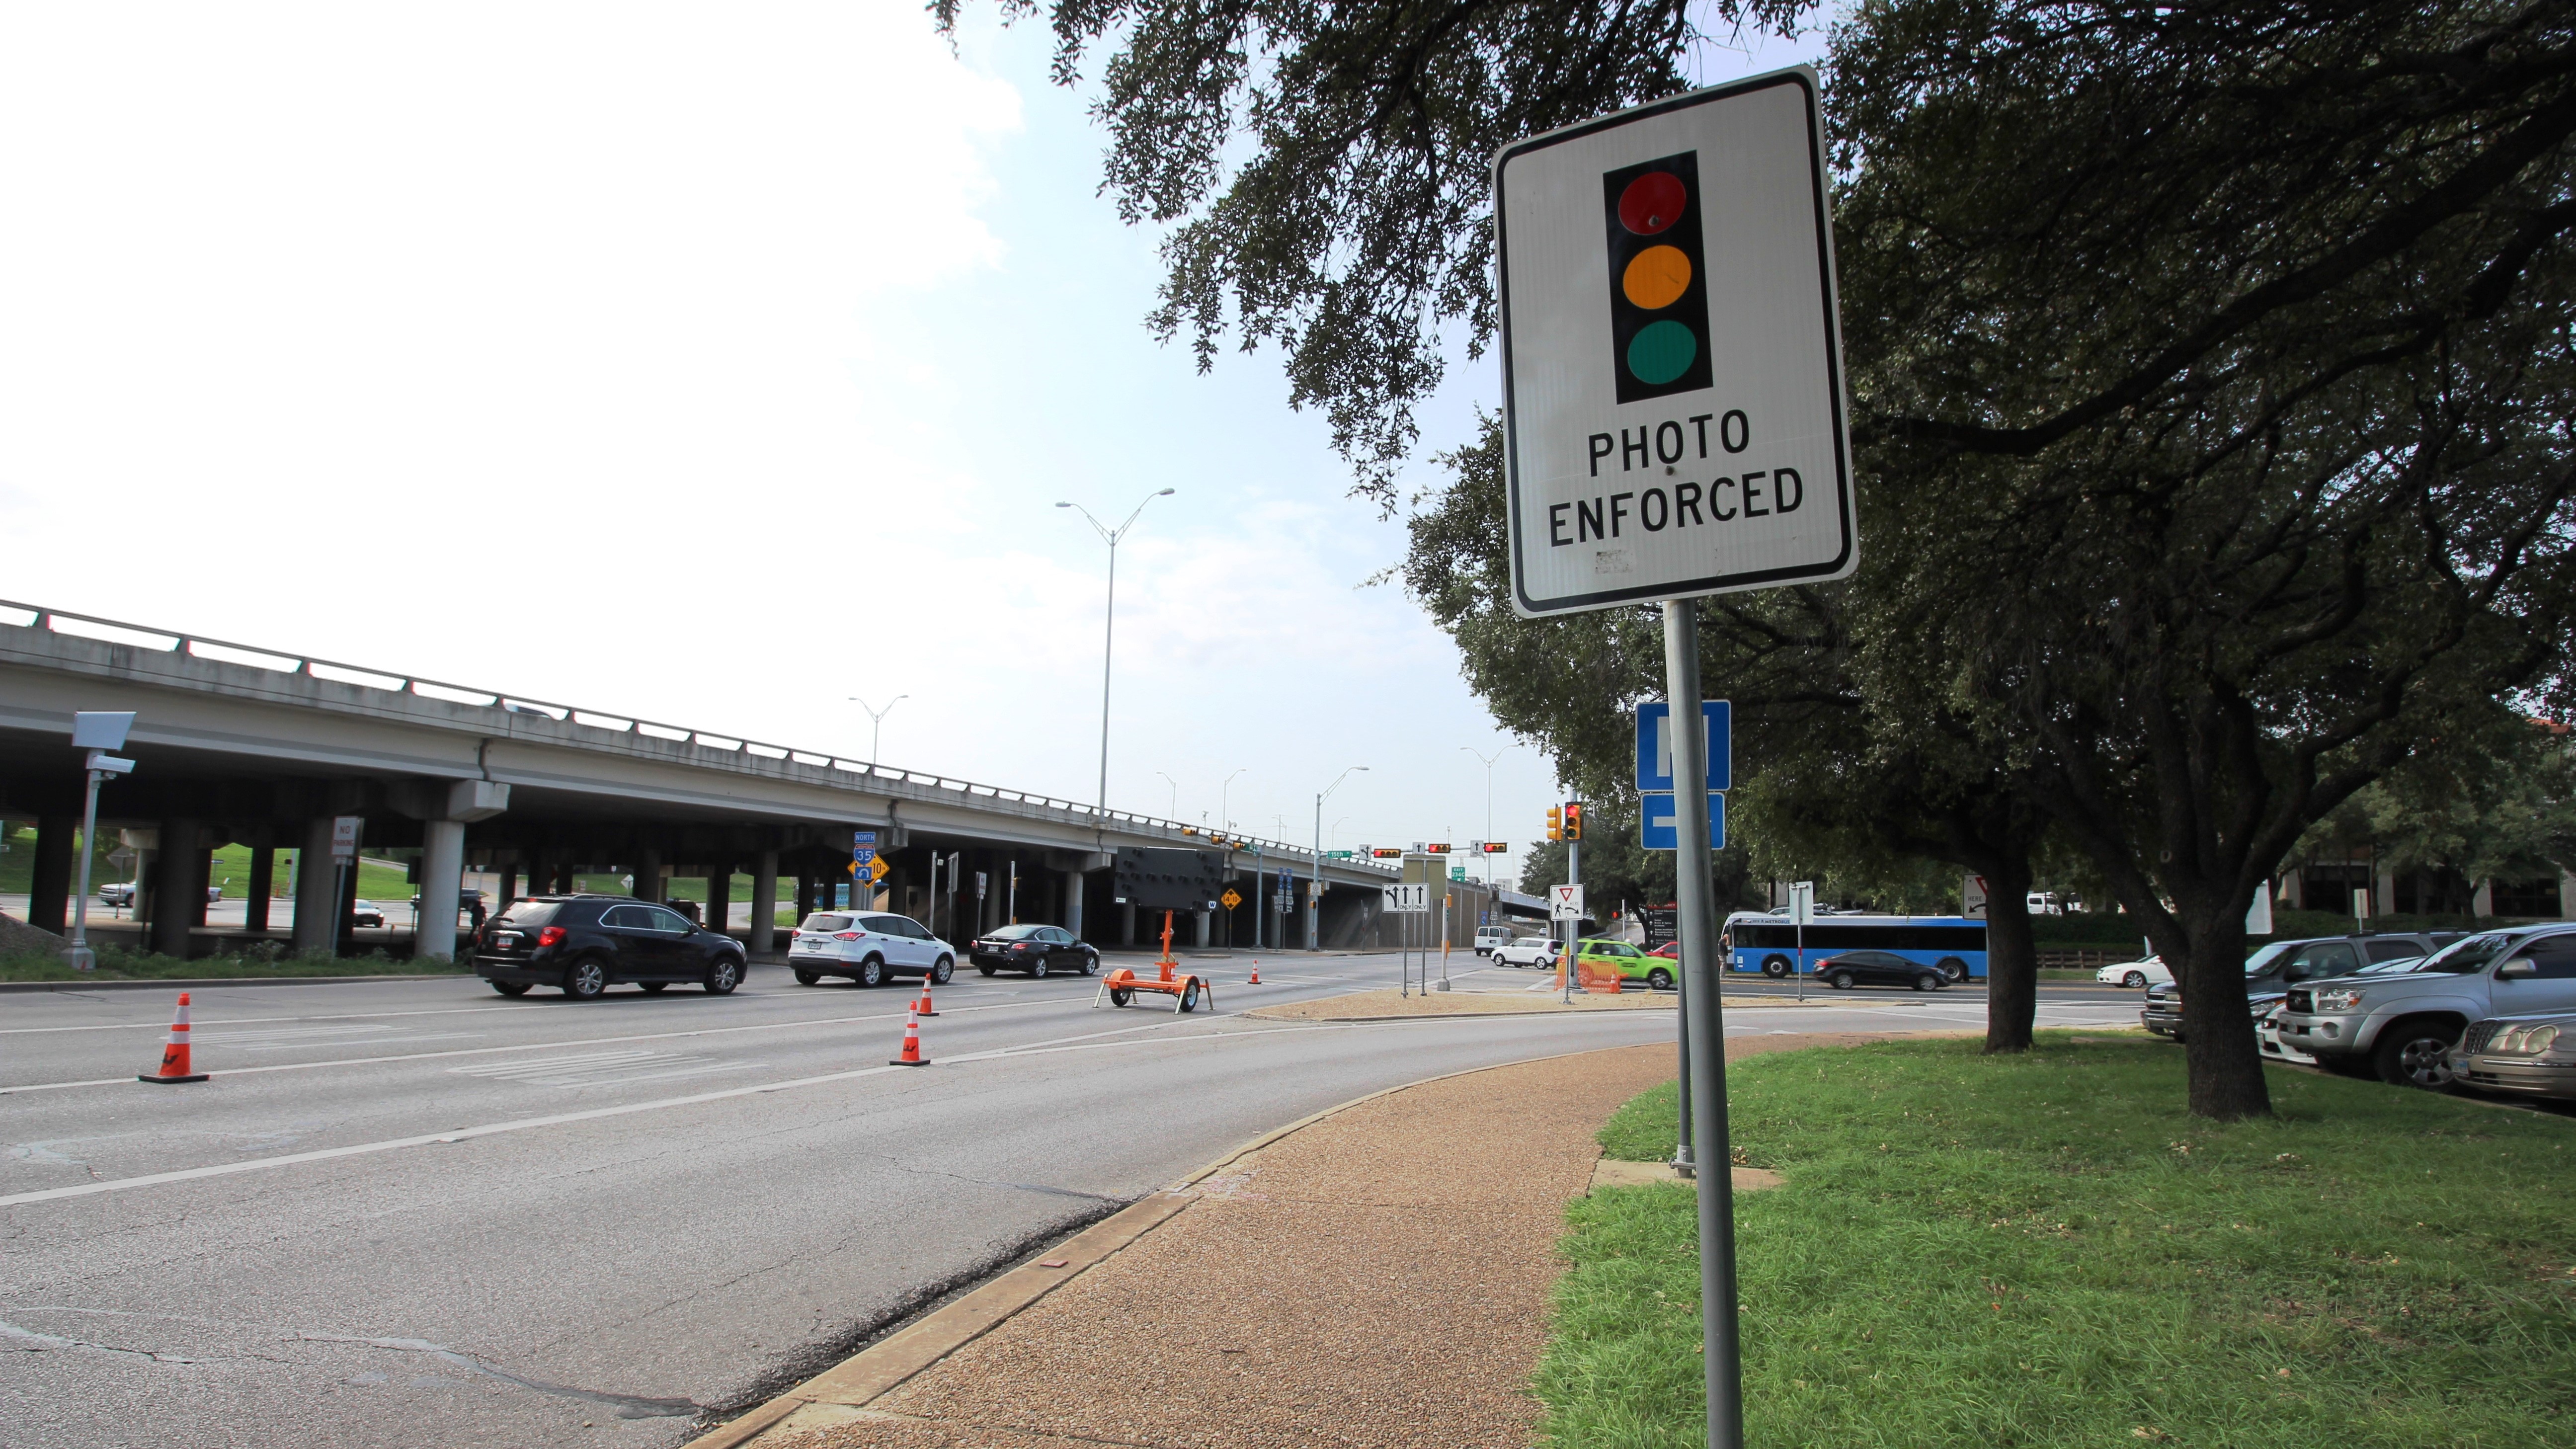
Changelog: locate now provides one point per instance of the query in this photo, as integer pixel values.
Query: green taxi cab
(1601, 957)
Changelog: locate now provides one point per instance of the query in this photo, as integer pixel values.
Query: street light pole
(1223, 821)
(1176, 795)
(1315, 886)
(876, 722)
(1109, 622)
(1489, 806)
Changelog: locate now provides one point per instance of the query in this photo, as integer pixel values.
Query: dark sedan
(1037, 950)
(1878, 968)
(582, 944)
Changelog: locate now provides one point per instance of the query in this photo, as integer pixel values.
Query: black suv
(2272, 970)
(580, 944)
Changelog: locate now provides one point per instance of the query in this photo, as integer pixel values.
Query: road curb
(209, 983)
(879, 1368)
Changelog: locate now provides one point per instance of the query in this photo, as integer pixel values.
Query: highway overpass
(239, 744)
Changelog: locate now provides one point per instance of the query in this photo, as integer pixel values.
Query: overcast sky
(709, 364)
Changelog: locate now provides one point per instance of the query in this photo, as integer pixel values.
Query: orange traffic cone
(925, 1007)
(174, 1052)
(1256, 974)
(911, 1043)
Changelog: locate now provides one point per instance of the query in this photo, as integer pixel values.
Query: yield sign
(1565, 902)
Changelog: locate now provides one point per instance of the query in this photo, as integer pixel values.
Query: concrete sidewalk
(1377, 1276)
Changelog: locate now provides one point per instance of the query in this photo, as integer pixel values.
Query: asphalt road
(410, 1212)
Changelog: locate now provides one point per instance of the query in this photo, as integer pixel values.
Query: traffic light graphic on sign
(1658, 278)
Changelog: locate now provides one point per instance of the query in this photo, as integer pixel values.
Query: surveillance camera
(107, 764)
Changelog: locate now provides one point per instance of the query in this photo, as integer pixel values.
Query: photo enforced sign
(1672, 372)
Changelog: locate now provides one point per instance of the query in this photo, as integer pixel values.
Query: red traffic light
(1652, 202)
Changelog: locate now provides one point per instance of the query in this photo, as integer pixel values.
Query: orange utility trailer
(1121, 985)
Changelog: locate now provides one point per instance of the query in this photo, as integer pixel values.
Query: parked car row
(120, 894)
(2486, 1012)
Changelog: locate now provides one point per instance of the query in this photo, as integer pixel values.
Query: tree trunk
(2224, 1059)
(2012, 957)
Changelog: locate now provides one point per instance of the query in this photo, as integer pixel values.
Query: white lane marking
(524, 1124)
(600, 1069)
(526, 1046)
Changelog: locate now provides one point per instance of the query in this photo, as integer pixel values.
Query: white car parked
(867, 947)
(2135, 974)
(1534, 951)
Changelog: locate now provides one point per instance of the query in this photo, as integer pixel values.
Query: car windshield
(1012, 933)
(528, 913)
(2261, 960)
(825, 921)
(2461, 958)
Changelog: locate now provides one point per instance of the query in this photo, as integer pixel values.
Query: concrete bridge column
(263, 880)
(1073, 902)
(442, 877)
(1127, 924)
(720, 895)
(1200, 928)
(648, 877)
(509, 886)
(50, 889)
(764, 904)
(182, 881)
(316, 889)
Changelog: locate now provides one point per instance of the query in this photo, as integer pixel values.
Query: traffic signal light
(1658, 278)
(1556, 822)
(1573, 820)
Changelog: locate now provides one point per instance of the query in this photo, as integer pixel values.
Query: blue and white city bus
(1770, 943)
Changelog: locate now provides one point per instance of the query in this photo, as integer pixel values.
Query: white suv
(868, 948)
(1536, 951)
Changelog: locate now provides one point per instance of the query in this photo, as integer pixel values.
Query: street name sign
(1655, 744)
(1659, 830)
(1565, 903)
(1673, 400)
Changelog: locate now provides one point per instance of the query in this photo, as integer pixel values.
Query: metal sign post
(1673, 426)
(1802, 909)
(98, 733)
(345, 830)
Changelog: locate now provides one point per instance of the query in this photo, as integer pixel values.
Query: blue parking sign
(1655, 745)
(1661, 830)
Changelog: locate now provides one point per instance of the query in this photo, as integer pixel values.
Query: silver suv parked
(2404, 1026)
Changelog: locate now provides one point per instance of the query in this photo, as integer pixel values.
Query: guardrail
(138, 636)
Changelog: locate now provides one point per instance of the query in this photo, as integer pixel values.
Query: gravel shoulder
(1378, 1277)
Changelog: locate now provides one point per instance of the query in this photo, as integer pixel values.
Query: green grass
(2046, 1250)
(118, 964)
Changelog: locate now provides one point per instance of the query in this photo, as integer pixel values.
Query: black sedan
(1878, 968)
(581, 944)
(1037, 950)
